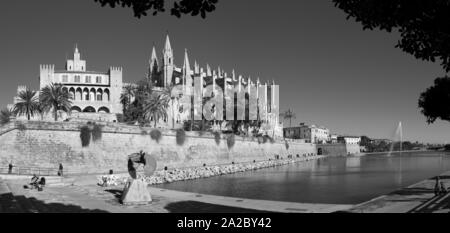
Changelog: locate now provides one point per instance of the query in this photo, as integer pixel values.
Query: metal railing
(40, 171)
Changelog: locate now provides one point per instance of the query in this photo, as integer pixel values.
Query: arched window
(86, 94)
(79, 94)
(72, 93)
(92, 94)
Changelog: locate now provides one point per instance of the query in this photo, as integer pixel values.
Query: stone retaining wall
(46, 144)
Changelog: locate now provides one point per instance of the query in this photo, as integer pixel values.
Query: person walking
(60, 170)
(10, 167)
(437, 189)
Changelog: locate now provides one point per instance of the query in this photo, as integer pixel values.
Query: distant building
(333, 138)
(310, 133)
(349, 140)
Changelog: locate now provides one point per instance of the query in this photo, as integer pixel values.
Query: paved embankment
(81, 194)
(417, 198)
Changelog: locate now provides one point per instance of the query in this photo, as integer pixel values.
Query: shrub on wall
(230, 141)
(96, 133)
(156, 135)
(260, 139)
(286, 144)
(5, 116)
(217, 137)
(143, 132)
(268, 138)
(181, 137)
(21, 127)
(85, 135)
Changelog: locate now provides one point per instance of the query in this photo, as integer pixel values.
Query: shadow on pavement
(437, 203)
(21, 204)
(200, 207)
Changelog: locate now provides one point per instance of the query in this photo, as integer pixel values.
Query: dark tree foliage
(424, 25)
(141, 7)
(435, 101)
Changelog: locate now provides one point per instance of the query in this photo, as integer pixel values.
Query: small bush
(85, 135)
(260, 139)
(230, 141)
(181, 137)
(201, 133)
(21, 127)
(286, 144)
(217, 137)
(96, 133)
(143, 132)
(5, 116)
(156, 135)
(267, 138)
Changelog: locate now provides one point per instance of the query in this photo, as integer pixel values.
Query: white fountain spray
(397, 136)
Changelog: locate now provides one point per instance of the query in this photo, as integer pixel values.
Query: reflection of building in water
(353, 162)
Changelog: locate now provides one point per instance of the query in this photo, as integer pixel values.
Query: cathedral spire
(186, 65)
(168, 62)
(196, 67)
(154, 66)
(167, 46)
(208, 70)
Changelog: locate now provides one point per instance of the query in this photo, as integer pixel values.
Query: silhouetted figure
(34, 181)
(165, 168)
(60, 170)
(436, 186)
(111, 172)
(443, 189)
(10, 167)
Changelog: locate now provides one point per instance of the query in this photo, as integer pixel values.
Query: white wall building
(351, 140)
(95, 95)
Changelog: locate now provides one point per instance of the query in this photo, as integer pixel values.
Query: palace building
(95, 95)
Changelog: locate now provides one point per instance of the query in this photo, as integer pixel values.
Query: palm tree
(5, 116)
(289, 114)
(54, 97)
(27, 104)
(127, 94)
(155, 107)
(167, 95)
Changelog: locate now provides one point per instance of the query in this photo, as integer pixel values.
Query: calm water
(337, 180)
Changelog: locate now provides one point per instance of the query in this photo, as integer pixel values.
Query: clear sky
(330, 71)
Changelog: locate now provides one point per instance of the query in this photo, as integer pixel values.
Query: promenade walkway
(88, 197)
(417, 198)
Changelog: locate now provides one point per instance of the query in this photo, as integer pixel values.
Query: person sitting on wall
(34, 181)
(42, 181)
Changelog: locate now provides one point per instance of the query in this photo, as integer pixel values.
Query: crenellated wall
(48, 144)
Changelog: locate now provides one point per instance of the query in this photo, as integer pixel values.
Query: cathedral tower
(167, 62)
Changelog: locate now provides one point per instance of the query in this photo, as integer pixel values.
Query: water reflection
(340, 180)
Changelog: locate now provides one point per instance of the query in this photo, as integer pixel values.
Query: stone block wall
(46, 144)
